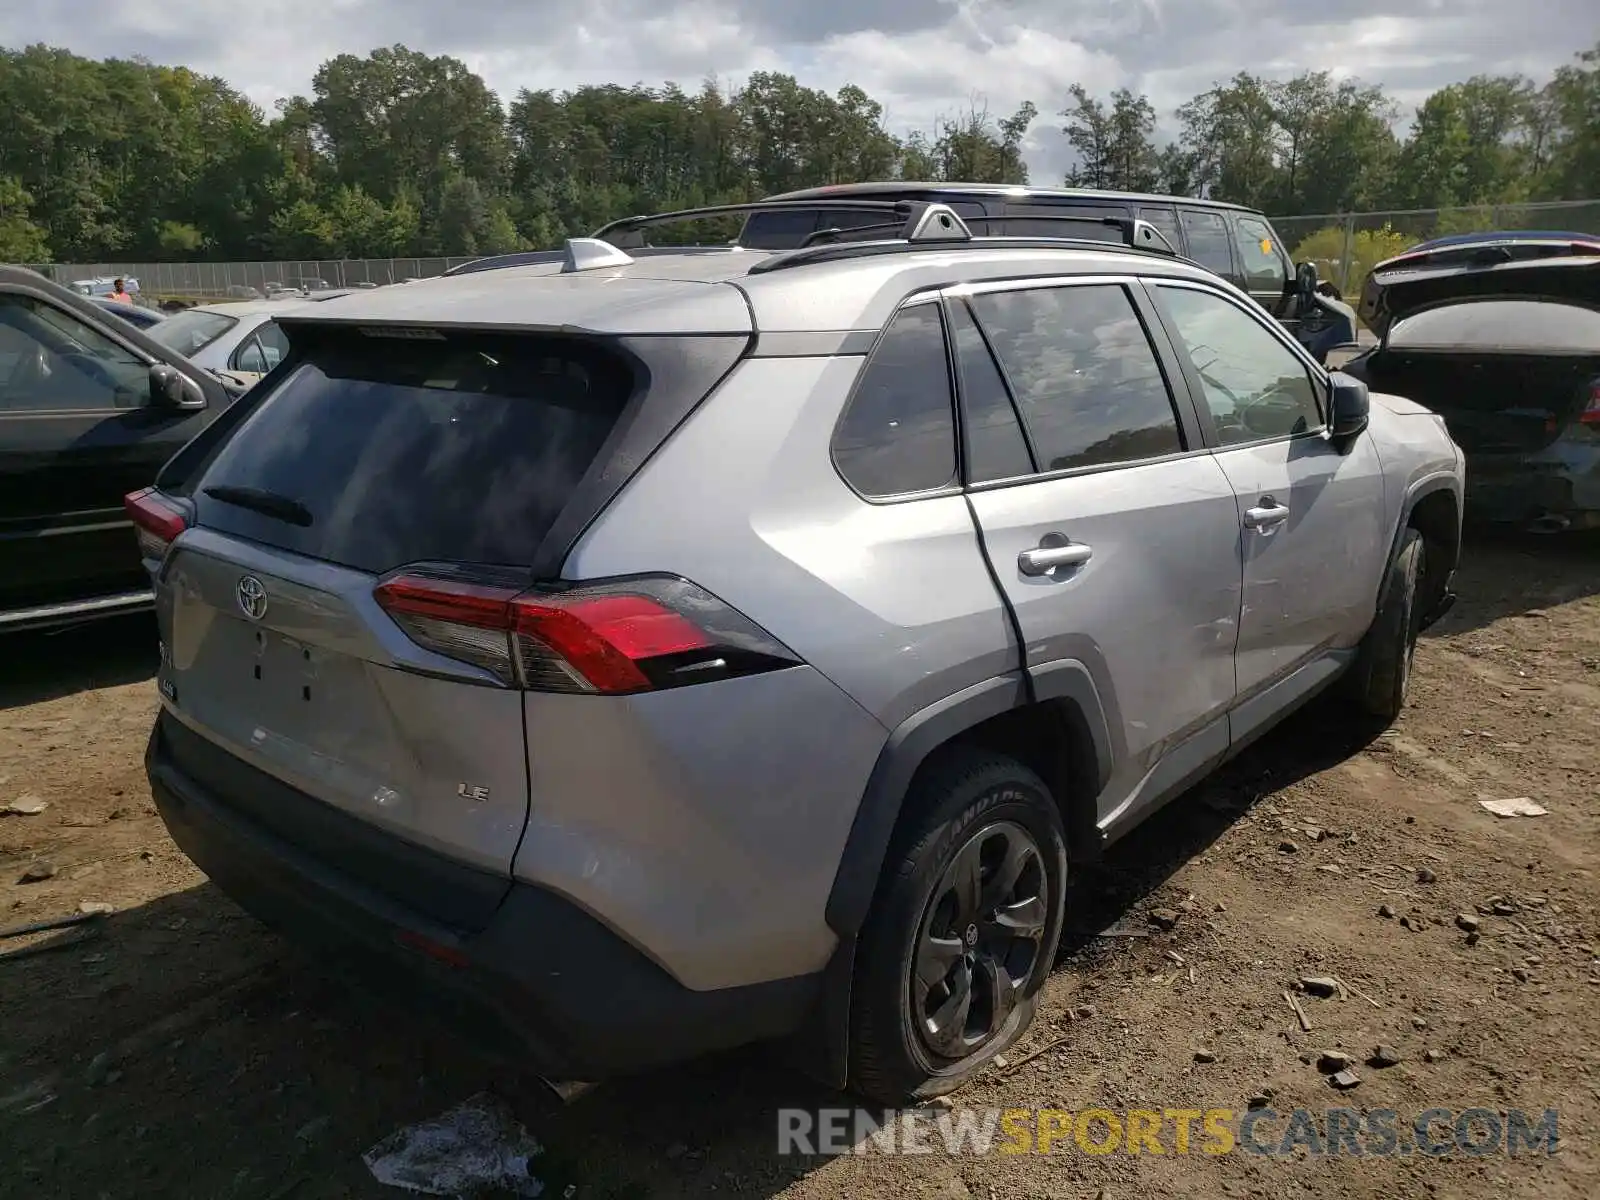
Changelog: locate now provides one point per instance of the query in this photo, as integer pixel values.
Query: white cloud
(920, 58)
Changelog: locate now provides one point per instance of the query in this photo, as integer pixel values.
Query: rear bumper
(542, 983)
(1558, 487)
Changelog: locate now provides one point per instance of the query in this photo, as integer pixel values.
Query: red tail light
(1591, 411)
(156, 521)
(616, 637)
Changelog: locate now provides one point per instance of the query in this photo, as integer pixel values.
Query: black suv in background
(1232, 241)
(1236, 243)
(90, 409)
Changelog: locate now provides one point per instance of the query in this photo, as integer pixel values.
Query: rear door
(1312, 527)
(372, 454)
(1112, 533)
(78, 431)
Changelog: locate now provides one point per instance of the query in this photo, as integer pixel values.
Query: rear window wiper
(270, 504)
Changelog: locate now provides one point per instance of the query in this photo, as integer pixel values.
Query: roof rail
(517, 258)
(917, 220)
(836, 251)
(908, 224)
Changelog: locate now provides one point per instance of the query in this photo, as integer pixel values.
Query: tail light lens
(621, 636)
(157, 521)
(1590, 415)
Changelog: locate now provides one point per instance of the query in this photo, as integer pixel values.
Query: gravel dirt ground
(181, 1050)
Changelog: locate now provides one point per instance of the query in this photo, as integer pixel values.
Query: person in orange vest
(119, 293)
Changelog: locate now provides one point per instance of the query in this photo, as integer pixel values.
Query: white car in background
(240, 339)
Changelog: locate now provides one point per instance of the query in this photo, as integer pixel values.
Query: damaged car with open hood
(1500, 335)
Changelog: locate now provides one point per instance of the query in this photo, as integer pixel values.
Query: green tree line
(403, 153)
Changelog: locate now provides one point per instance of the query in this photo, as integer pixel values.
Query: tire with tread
(1381, 677)
(956, 796)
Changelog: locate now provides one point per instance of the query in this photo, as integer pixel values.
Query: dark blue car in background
(1499, 333)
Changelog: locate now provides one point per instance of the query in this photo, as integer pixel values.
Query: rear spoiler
(1491, 252)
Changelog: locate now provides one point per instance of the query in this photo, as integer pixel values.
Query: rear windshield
(1500, 327)
(389, 451)
(192, 331)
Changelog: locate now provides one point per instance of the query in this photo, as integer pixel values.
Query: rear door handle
(1266, 514)
(1049, 555)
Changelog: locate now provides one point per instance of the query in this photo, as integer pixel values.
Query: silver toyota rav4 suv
(647, 652)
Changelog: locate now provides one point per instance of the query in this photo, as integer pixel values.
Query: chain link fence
(190, 282)
(1344, 246)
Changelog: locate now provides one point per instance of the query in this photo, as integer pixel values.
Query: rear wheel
(1381, 677)
(964, 929)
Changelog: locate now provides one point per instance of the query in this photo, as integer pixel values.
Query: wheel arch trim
(855, 880)
(823, 1043)
(1416, 492)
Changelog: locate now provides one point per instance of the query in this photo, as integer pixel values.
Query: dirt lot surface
(184, 1051)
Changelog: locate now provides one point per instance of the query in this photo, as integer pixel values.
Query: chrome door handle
(1043, 559)
(1269, 512)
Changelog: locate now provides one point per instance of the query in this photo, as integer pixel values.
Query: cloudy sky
(920, 58)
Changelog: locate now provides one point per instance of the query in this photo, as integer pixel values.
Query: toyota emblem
(252, 597)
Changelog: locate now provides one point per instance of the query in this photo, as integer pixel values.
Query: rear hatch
(1414, 282)
(376, 452)
(1508, 376)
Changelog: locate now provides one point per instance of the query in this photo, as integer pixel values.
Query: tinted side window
(1208, 240)
(778, 230)
(1088, 228)
(250, 357)
(1166, 221)
(1264, 268)
(49, 360)
(996, 448)
(898, 433)
(263, 350)
(274, 343)
(1254, 385)
(1084, 374)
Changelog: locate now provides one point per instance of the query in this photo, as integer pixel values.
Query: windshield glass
(190, 332)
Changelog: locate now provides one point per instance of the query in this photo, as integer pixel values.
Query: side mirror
(1305, 280)
(1350, 408)
(171, 388)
